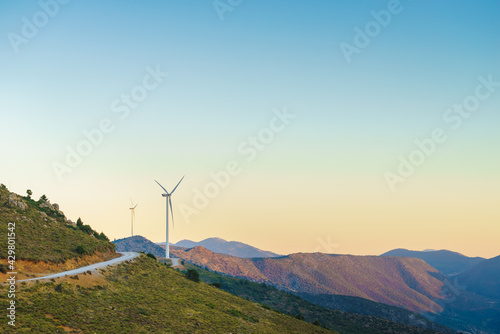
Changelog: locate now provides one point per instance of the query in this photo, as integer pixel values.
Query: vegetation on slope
(403, 282)
(43, 233)
(142, 296)
(342, 322)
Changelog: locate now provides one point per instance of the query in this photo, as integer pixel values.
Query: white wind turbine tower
(169, 203)
(132, 215)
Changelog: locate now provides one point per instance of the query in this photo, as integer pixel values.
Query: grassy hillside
(403, 282)
(43, 233)
(142, 296)
(342, 322)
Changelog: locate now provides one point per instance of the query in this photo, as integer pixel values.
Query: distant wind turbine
(169, 203)
(132, 214)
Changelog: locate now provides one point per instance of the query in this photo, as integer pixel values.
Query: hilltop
(403, 282)
(46, 240)
(143, 296)
(218, 245)
(138, 243)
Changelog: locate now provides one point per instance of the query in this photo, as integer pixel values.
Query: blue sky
(225, 79)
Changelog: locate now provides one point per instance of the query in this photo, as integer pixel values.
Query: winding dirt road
(125, 257)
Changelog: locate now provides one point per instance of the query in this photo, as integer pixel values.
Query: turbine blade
(178, 184)
(131, 201)
(171, 212)
(136, 205)
(162, 187)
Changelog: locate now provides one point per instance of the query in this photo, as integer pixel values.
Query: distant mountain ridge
(447, 262)
(221, 246)
(138, 243)
(483, 279)
(402, 282)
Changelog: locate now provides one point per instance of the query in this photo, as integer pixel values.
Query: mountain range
(365, 316)
(218, 245)
(404, 282)
(381, 286)
(364, 294)
(467, 301)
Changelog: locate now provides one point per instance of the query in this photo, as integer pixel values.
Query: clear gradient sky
(316, 182)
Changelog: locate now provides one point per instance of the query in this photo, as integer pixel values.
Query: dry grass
(29, 269)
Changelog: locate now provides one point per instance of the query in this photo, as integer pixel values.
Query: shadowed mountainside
(364, 317)
(483, 279)
(447, 262)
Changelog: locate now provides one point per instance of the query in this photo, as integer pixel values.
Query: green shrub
(243, 316)
(151, 256)
(43, 199)
(193, 275)
(103, 237)
(80, 250)
(87, 229)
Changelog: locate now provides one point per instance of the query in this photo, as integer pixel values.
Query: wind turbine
(169, 203)
(132, 215)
